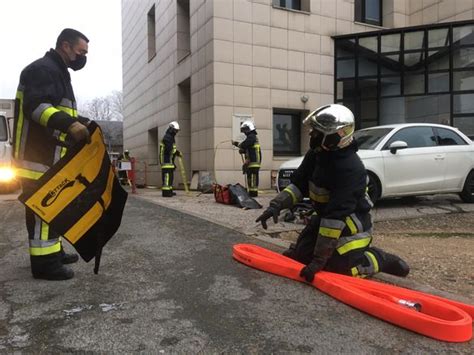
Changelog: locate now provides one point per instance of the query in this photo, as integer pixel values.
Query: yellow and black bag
(80, 197)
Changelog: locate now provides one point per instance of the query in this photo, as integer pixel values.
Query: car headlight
(6, 174)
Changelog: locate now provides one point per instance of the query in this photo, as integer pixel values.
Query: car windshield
(370, 138)
(3, 129)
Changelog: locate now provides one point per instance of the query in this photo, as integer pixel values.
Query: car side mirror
(394, 146)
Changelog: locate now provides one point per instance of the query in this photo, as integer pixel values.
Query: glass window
(368, 11)
(414, 40)
(448, 137)
(345, 68)
(415, 137)
(368, 88)
(414, 84)
(286, 133)
(289, 4)
(390, 86)
(438, 38)
(368, 113)
(427, 108)
(345, 48)
(390, 43)
(463, 57)
(414, 62)
(367, 65)
(463, 80)
(3, 129)
(438, 60)
(438, 82)
(465, 125)
(390, 64)
(463, 35)
(463, 103)
(368, 44)
(370, 138)
(345, 89)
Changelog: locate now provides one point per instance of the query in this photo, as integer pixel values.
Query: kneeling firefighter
(253, 156)
(168, 153)
(338, 237)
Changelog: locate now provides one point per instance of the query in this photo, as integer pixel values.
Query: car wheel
(373, 187)
(467, 193)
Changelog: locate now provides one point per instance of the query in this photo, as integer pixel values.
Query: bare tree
(106, 108)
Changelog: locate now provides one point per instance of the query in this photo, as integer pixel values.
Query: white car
(409, 160)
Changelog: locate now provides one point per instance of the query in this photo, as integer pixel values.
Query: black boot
(391, 264)
(50, 267)
(68, 258)
(166, 193)
(290, 252)
(253, 193)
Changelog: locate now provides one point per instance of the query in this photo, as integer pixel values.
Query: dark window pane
(463, 57)
(438, 82)
(465, 125)
(345, 48)
(390, 43)
(368, 88)
(414, 40)
(438, 38)
(390, 86)
(372, 10)
(345, 89)
(463, 103)
(463, 35)
(448, 137)
(414, 84)
(3, 129)
(463, 80)
(345, 68)
(438, 60)
(414, 62)
(290, 4)
(369, 139)
(286, 134)
(368, 113)
(416, 137)
(390, 64)
(392, 110)
(368, 44)
(367, 65)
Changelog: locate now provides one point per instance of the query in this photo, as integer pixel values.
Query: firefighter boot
(290, 252)
(391, 264)
(50, 267)
(68, 258)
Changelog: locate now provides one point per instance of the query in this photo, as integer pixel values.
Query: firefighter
(46, 124)
(338, 236)
(168, 153)
(250, 148)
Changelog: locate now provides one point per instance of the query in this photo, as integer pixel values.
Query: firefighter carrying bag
(80, 197)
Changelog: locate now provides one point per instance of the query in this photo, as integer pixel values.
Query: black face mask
(78, 63)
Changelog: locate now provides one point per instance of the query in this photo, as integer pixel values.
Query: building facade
(209, 64)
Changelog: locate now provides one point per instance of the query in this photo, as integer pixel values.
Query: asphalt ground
(168, 284)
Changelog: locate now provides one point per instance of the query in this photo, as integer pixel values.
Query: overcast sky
(28, 28)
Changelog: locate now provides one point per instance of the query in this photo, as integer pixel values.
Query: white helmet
(174, 125)
(332, 126)
(247, 126)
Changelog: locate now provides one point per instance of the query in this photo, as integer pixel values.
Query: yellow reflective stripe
(46, 115)
(29, 174)
(351, 225)
(375, 263)
(167, 166)
(62, 138)
(330, 232)
(254, 165)
(292, 194)
(44, 231)
(318, 198)
(68, 110)
(19, 128)
(38, 251)
(355, 271)
(355, 244)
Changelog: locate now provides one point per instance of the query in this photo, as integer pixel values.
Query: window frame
(296, 117)
(360, 7)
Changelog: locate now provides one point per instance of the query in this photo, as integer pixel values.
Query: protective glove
(271, 211)
(310, 270)
(235, 143)
(79, 132)
(179, 154)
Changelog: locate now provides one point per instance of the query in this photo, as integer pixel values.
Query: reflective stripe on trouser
(167, 176)
(252, 179)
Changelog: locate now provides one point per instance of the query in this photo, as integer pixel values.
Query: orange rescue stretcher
(426, 314)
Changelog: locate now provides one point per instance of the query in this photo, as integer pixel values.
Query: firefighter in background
(46, 123)
(253, 156)
(338, 237)
(123, 174)
(168, 153)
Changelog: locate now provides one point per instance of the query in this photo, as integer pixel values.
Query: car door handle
(439, 157)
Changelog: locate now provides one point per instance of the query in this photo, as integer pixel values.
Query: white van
(8, 182)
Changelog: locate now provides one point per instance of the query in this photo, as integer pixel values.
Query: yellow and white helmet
(174, 125)
(332, 127)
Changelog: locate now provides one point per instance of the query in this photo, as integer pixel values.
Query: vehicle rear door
(419, 168)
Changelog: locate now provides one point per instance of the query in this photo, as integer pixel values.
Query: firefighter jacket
(251, 148)
(45, 107)
(168, 150)
(336, 183)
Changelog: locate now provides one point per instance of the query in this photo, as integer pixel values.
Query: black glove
(235, 143)
(179, 154)
(310, 270)
(271, 211)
